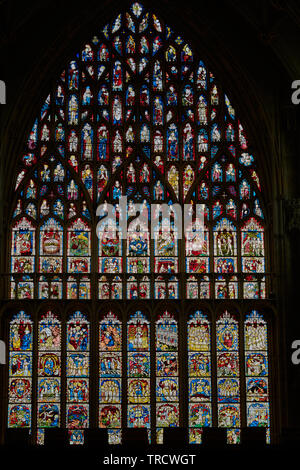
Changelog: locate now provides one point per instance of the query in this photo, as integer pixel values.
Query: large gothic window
(137, 114)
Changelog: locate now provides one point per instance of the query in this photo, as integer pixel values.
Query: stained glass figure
(172, 142)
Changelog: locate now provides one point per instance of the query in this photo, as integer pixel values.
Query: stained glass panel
(110, 375)
(49, 377)
(256, 368)
(138, 371)
(78, 346)
(167, 382)
(199, 373)
(23, 259)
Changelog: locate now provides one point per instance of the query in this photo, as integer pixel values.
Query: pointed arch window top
(136, 114)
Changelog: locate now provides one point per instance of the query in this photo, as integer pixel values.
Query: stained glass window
(228, 376)
(20, 371)
(167, 371)
(49, 374)
(138, 260)
(110, 376)
(199, 373)
(257, 371)
(136, 113)
(78, 346)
